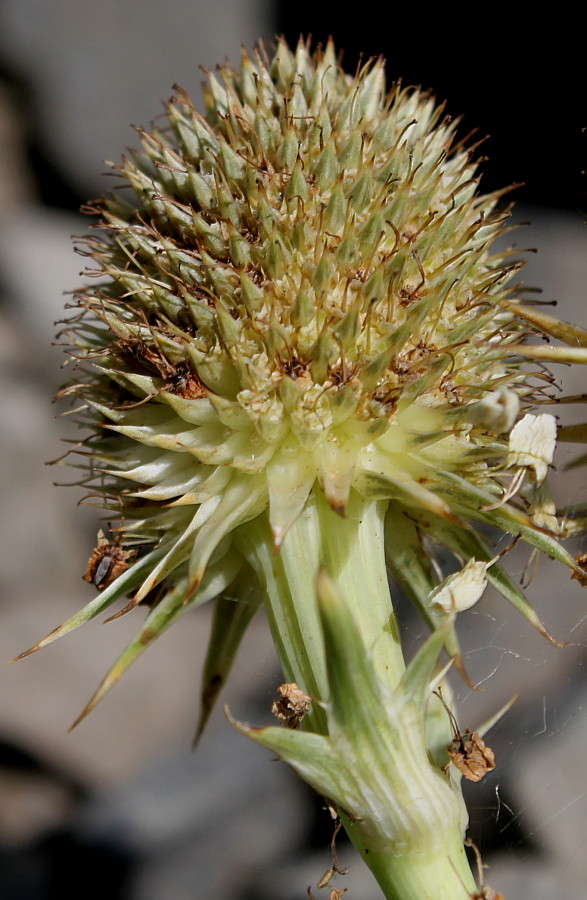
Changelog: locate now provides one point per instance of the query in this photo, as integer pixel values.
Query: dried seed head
(292, 705)
(469, 753)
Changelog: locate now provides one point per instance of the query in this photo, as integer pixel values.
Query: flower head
(297, 291)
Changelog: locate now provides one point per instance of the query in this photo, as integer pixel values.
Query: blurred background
(121, 808)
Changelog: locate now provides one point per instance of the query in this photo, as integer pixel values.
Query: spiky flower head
(295, 293)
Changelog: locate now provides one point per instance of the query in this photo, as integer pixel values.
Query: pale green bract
(295, 298)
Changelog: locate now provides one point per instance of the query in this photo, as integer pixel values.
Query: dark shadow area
(510, 74)
(51, 185)
(55, 862)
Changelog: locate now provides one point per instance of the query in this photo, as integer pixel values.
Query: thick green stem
(422, 876)
(368, 751)
(352, 551)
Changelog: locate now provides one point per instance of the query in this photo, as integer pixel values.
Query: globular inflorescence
(297, 291)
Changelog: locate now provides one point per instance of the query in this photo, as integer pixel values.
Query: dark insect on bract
(107, 562)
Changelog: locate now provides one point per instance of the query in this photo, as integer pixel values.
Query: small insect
(292, 705)
(361, 274)
(179, 378)
(468, 752)
(184, 383)
(107, 562)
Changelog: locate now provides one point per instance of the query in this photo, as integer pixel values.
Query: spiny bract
(299, 294)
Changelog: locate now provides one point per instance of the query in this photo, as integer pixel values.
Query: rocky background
(121, 808)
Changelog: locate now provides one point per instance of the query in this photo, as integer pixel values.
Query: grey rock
(96, 67)
(201, 824)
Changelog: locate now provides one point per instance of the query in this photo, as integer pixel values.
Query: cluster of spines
(309, 226)
(310, 252)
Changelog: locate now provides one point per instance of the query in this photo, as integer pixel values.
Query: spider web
(529, 815)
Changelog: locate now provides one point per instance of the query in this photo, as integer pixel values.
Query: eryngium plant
(300, 365)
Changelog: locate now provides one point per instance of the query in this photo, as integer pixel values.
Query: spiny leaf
(571, 334)
(415, 684)
(233, 613)
(121, 586)
(161, 617)
(553, 354)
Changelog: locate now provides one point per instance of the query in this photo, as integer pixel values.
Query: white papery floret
(497, 411)
(532, 443)
(463, 589)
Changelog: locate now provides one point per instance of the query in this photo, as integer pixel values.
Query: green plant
(301, 366)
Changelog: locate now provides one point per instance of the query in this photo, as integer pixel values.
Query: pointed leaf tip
(48, 639)
(354, 688)
(232, 616)
(85, 712)
(416, 680)
(125, 609)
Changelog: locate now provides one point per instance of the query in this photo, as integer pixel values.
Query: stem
(402, 813)
(423, 876)
(352, 551)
